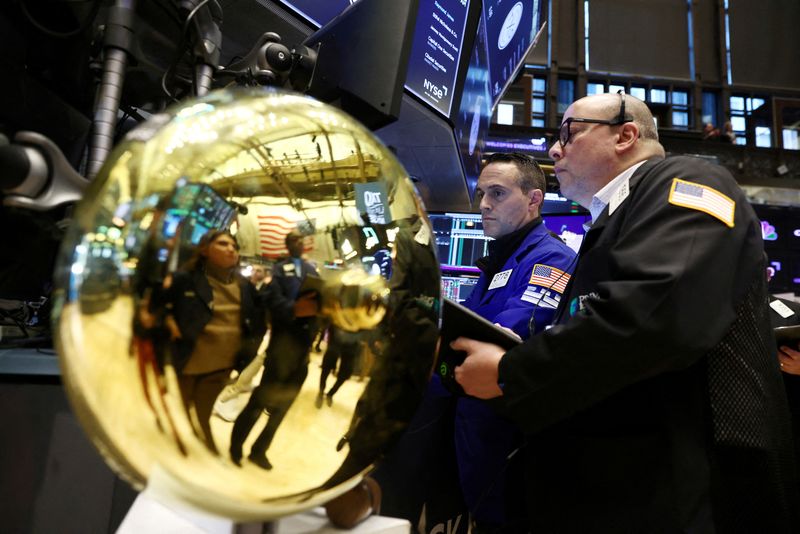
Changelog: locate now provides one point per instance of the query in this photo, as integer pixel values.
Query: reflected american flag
(272, 231)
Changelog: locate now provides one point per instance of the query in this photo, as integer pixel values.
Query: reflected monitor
(194, 210)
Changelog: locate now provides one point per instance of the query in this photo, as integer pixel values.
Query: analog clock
(510, 26)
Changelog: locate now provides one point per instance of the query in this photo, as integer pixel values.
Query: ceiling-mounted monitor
(511, 33)
(475, 110)
(436, 52)
(362, 56)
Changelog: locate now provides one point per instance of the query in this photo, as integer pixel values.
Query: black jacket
(656, 404)
(190, 302)
(291, 337)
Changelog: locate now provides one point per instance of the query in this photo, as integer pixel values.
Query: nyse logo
(450, 528)
(434, 89)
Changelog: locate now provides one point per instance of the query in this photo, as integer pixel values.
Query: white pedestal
(148, 515)
(315, 521)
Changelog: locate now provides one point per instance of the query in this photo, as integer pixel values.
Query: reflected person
(211, 315)
(228, 406)
(344, 348)
(404, 362)
(286, 364)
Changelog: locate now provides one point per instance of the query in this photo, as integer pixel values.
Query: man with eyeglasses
(655, 404)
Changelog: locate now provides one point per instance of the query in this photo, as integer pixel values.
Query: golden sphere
(158, 329)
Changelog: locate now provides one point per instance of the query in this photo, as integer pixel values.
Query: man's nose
(555, 151)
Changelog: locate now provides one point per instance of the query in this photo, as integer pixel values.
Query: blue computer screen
(436, 52)
(510, 30)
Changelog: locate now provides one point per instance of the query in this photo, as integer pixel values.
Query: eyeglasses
(564, 133)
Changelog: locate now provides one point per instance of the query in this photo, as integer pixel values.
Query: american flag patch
(549, 277)
(702, 198)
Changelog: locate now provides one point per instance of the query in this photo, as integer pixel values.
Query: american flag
(272, 231)
(703, 198)
(549, 277)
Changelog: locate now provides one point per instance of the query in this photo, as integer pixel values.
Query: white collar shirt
(601, 199)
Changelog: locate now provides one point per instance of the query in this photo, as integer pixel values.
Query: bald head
(600, 146)
(607, 106)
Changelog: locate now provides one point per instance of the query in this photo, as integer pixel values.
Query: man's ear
(628, 135)
(536, 197)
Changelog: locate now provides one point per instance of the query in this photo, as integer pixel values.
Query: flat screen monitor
(784, 271)
(556, 204)
(511, 26)
(362, 57)
(456, 286)
(459, 241)
(472, 121)
(436, 51)
(780, 226)
(780, 229)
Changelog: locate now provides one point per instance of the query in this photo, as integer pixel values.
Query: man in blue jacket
(293, 319)
(520, 286)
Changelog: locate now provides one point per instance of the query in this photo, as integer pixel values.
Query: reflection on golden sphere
(162, 338)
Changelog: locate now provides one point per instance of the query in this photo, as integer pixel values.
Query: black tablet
(787, 335)
(459, 321)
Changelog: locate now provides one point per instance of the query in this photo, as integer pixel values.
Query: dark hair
(294, 235)
(530, 176)
(198, 259)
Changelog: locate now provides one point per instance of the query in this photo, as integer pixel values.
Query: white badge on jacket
(500, 279)
(782, 309)
(619, 196)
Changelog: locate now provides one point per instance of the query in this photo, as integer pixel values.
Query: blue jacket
(539, 272)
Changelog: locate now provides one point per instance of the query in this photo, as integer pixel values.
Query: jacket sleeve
(672, 279)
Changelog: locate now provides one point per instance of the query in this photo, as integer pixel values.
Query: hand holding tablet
(459, 321)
